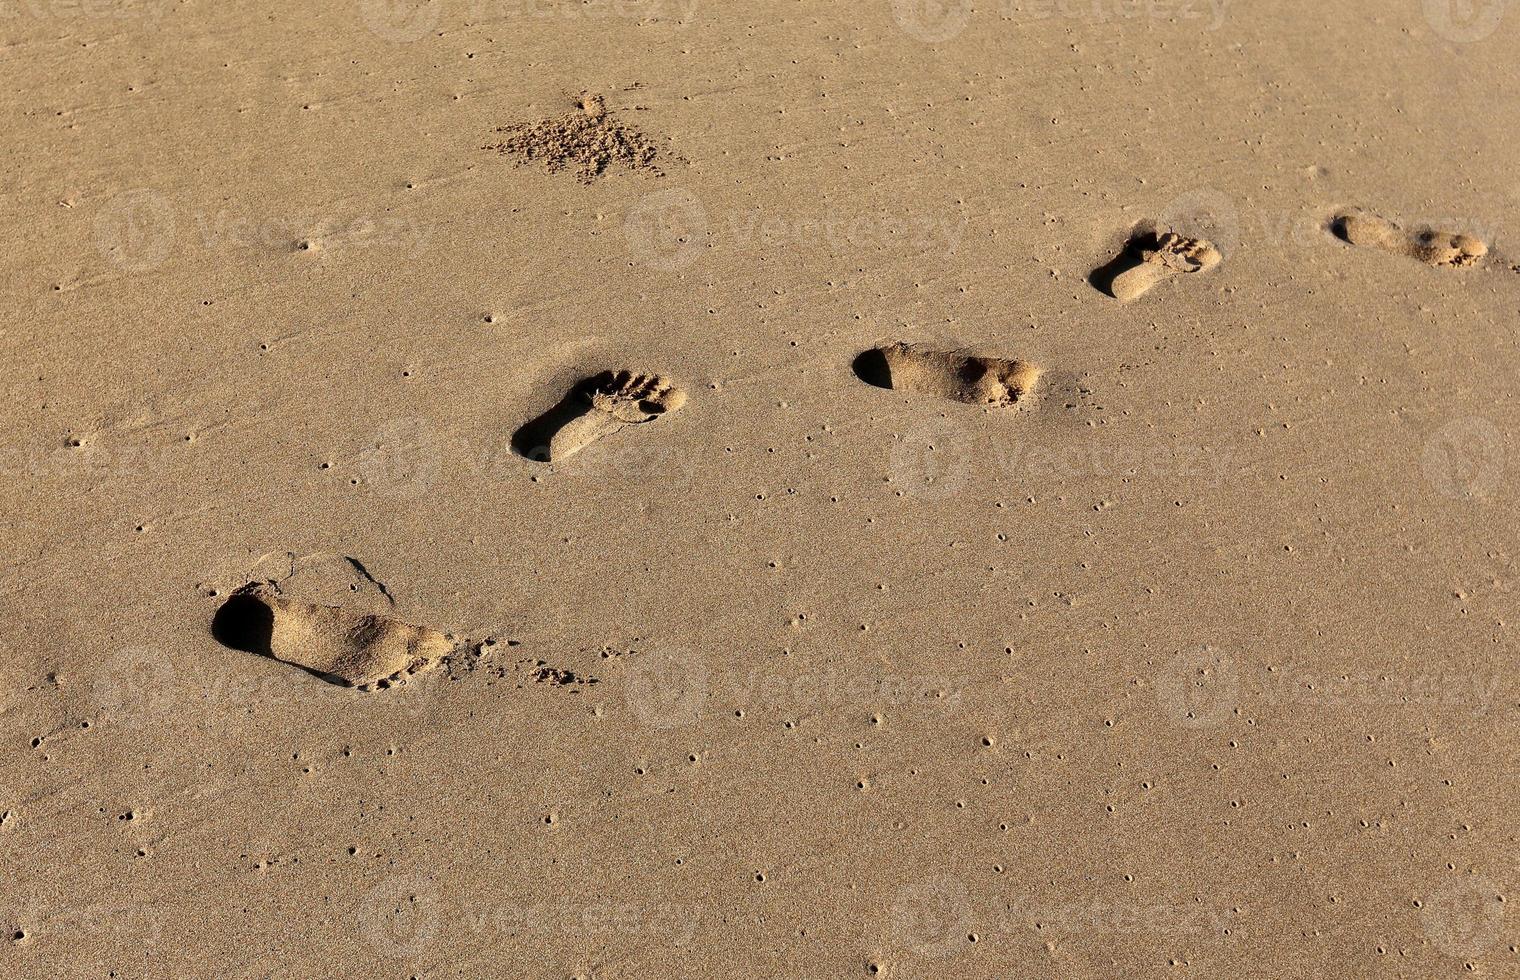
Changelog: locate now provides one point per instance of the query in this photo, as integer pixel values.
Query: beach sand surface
(668, 489)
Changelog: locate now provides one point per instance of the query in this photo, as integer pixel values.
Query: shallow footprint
(1151, 258)
(1443, 249)
(595, 408)
(336, 644)
(956, 375)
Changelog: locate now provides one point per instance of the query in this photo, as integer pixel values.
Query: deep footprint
(956, 375)
(1151, 258)
(1442, 249)
(336, 644)
(594, 409)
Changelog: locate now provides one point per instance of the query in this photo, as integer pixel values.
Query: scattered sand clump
(590, 139)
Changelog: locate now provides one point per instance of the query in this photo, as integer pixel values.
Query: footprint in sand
(1443, 249)
(594, 408)
(1153, 257)
(336, 644)
(957, 375)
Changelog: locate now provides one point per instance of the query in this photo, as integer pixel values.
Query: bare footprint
(1443, 249)
(595, 408)
(1151, 258)
(956, 375)
(337, 644)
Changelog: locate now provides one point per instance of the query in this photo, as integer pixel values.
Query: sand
(603, 606)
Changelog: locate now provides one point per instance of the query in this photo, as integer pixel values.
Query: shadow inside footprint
(532, 439)
(244, 623)
(1102, 278)
(871, 367)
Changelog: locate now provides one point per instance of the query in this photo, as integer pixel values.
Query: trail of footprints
(373, 652)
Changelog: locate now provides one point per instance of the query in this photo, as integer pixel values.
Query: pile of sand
(589, 139)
